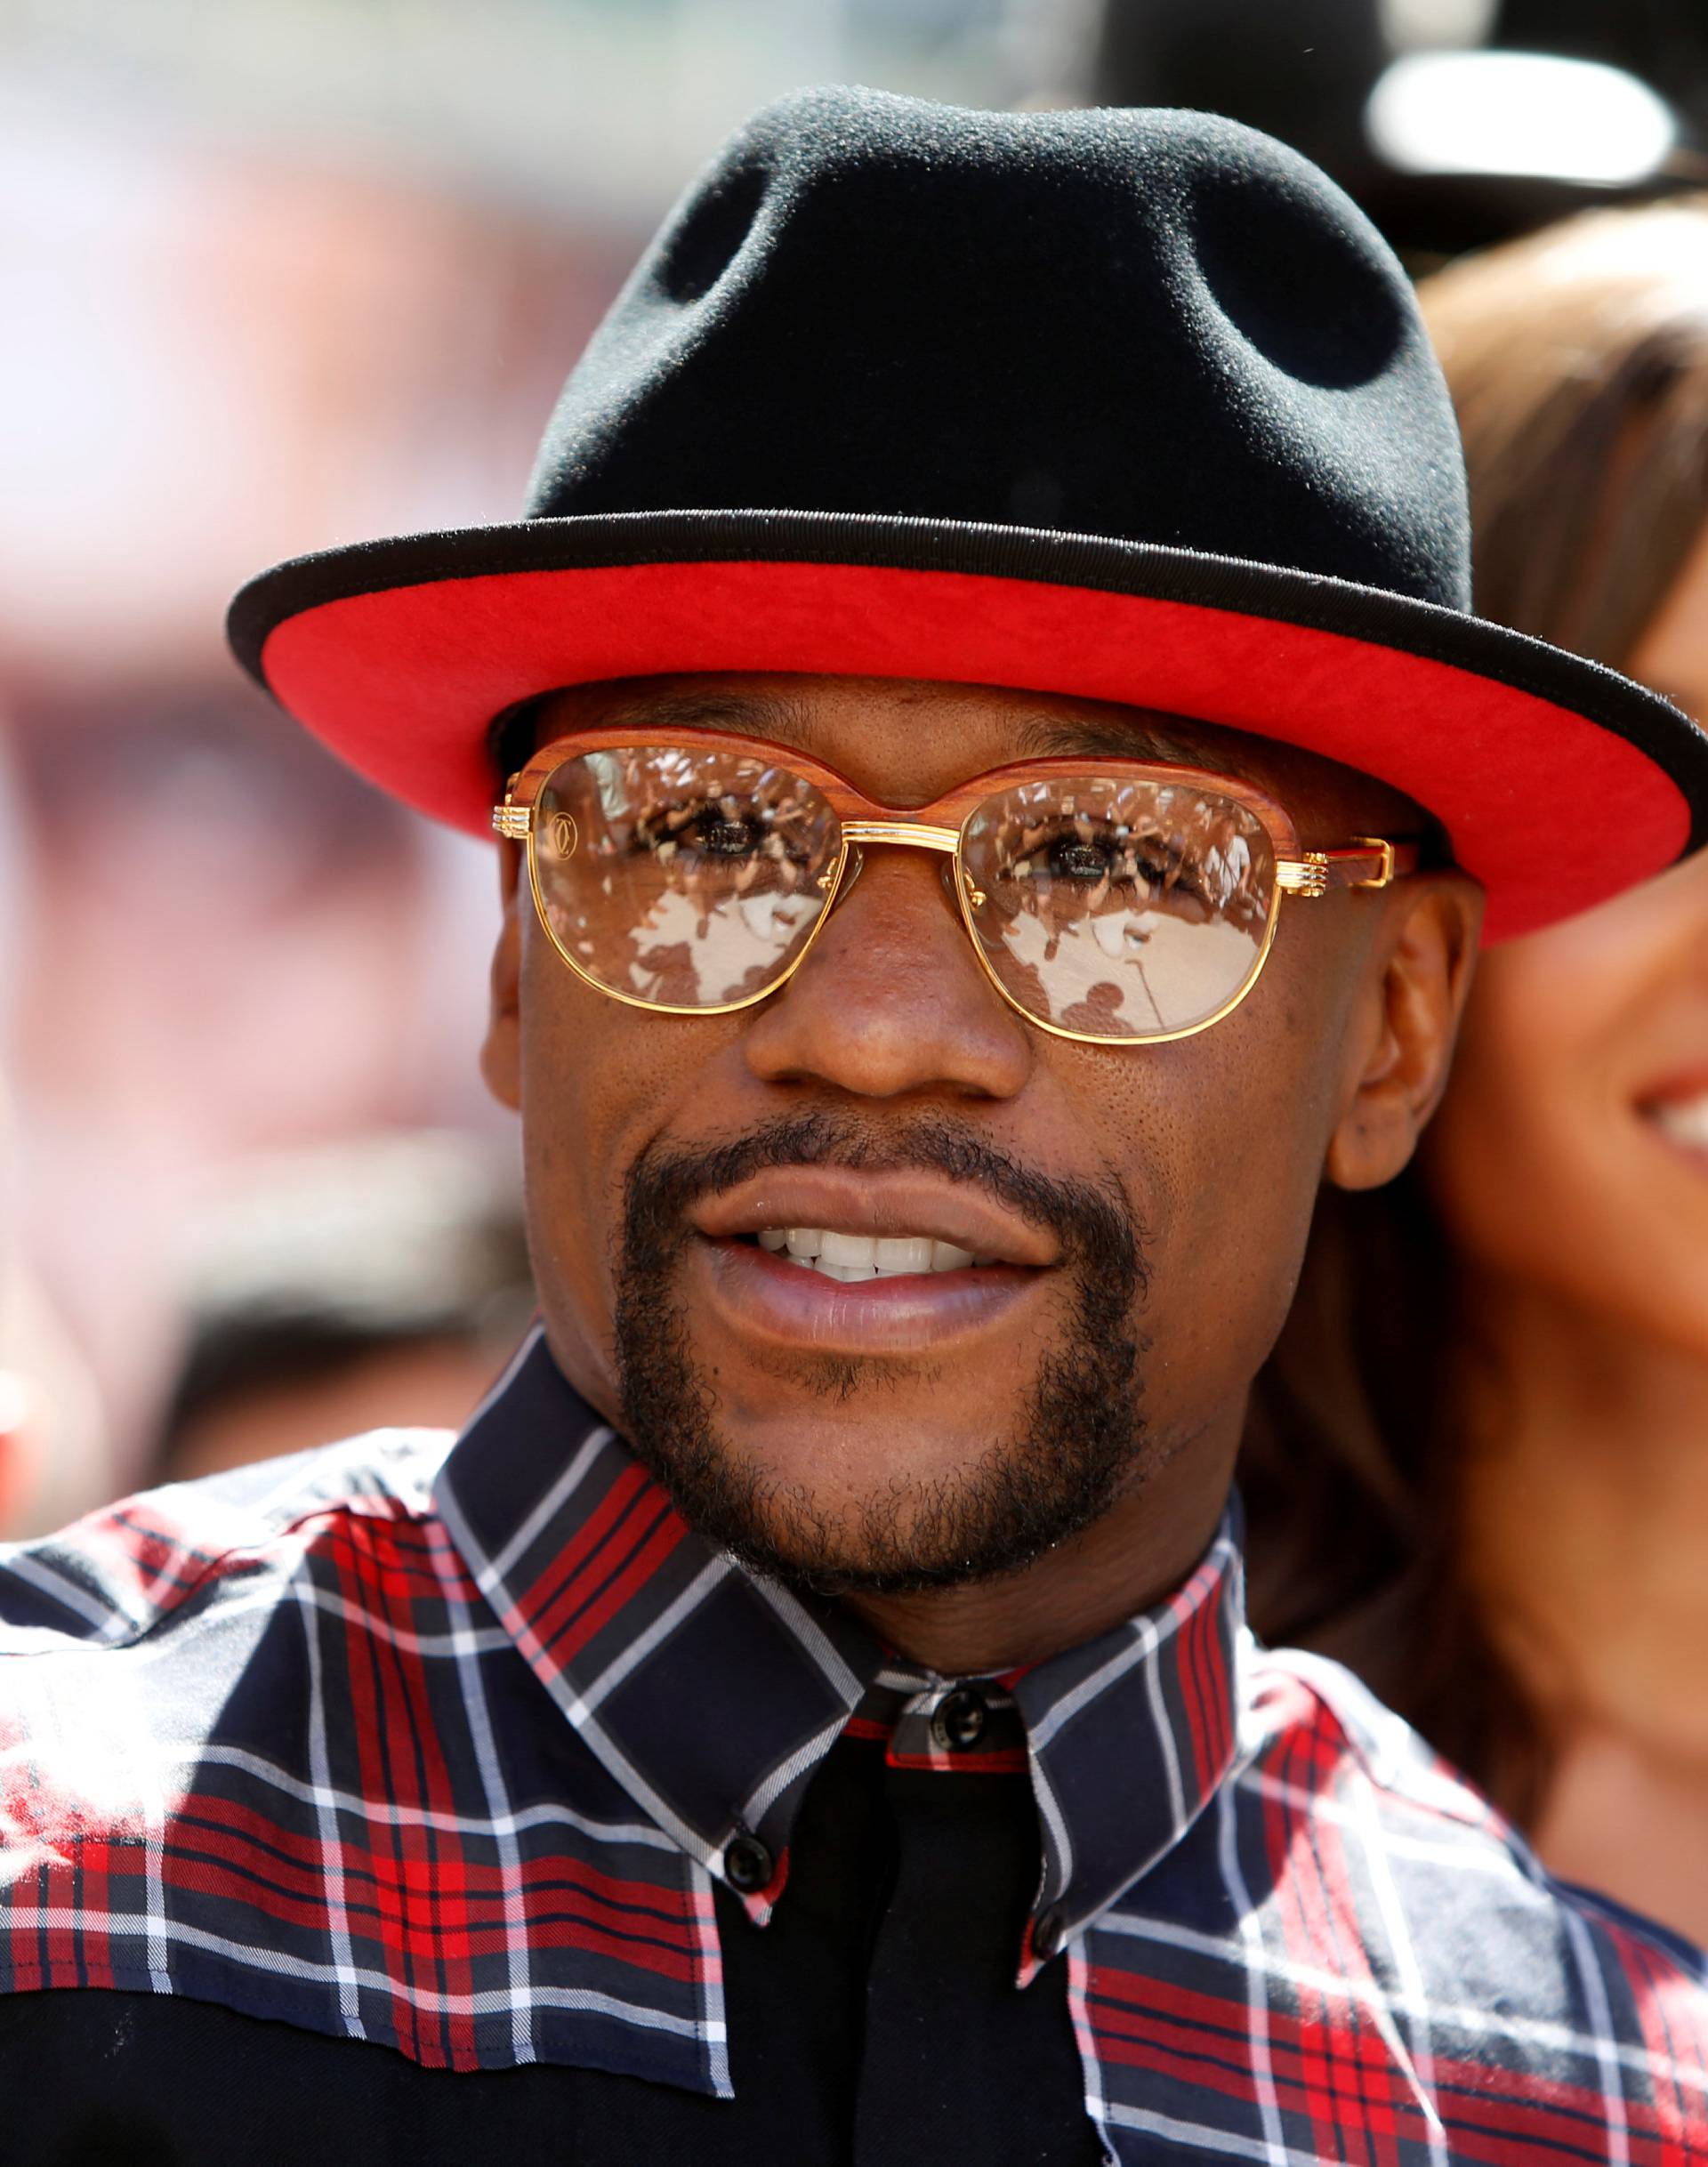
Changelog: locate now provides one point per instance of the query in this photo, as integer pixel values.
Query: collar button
(1049, 1935)
(959, 1718)
(747, 1864)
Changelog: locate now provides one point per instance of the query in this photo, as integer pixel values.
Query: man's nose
(891, 999)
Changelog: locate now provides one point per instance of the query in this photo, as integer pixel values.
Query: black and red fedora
(1130, 406)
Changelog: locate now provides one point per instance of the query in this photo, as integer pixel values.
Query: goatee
(1076, 1442)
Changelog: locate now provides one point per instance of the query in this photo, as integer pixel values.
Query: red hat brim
(1558, 783)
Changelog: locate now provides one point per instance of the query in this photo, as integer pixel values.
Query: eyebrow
(1038, 737)
(754, 715)
(1144, 738)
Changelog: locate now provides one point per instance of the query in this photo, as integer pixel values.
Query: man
(972, 715)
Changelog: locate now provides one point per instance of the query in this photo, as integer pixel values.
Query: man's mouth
(895, 1259)
(846, 1223)
(851, 1257)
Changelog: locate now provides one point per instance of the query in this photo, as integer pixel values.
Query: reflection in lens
(1120, 909)
(682, 876)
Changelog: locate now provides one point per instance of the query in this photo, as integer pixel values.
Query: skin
(1216, 1143)
(1584, 1227)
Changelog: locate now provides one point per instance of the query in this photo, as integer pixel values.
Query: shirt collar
(711, 1695)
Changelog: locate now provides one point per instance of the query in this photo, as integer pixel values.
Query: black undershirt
(875, 2019)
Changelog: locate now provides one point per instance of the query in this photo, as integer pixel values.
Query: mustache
(1094, 1221)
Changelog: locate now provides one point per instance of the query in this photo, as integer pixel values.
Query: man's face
(1145, 1208)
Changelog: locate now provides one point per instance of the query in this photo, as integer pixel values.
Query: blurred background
(279, 274)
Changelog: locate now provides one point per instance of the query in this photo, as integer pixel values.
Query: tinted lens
(1122, 910)
(682, 878)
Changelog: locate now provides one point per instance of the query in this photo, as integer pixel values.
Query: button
(747, 1864)
(959, 1718)
(1048, 1935)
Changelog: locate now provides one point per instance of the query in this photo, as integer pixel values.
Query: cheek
(598, 1081)
(1527, 1114)
(1220, 1140)
(1540, 1161)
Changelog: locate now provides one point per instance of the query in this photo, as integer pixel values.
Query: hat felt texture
(1130, 406)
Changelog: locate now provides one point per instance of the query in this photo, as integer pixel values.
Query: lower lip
(772, 1297)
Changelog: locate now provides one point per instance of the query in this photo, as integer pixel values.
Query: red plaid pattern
(446, 1752)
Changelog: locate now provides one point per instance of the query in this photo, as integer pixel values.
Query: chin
(846, 1507)
(890, 1541)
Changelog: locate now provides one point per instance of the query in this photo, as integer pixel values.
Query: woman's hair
(1578, 364)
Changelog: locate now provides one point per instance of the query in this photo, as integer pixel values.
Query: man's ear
(1400, 1047)
(501, 1053)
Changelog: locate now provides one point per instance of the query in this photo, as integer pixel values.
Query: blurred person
(959, 712)
(53, 1454)
(230, 942)
(381, 1280)
(55, 1458)
(1478, 1468)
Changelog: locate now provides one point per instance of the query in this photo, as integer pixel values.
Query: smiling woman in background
(1477, 1467)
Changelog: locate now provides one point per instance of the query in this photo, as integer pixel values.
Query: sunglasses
(1116, 902)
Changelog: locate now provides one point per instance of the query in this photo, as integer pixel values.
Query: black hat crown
(1128, 406)
(1151, 326)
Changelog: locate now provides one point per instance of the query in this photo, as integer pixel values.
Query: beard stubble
(1076, 1442)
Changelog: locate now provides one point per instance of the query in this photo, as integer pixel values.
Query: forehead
(908, 741)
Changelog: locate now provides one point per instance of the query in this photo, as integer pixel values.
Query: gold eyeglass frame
(1366, 862)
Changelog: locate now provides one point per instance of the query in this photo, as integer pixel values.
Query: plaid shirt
(444, 1752)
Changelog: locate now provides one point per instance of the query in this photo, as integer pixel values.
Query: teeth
(1685, 1120)
(850, 1257)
